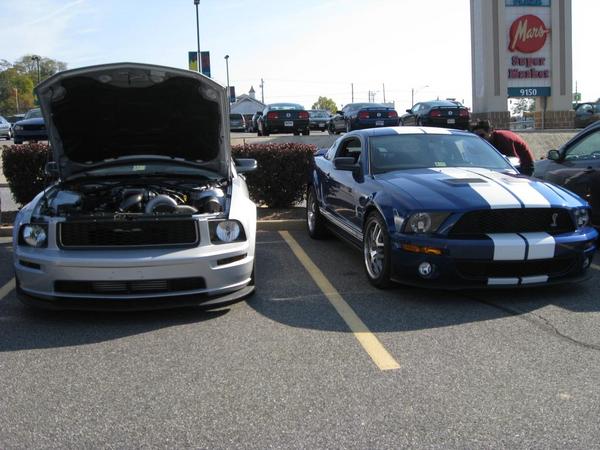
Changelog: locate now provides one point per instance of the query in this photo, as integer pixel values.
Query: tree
(325, 103)
(22, 76)
(523, 105)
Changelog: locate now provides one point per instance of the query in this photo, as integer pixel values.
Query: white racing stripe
(502, 281)
(522, 188)
(541, 245)
(536, 279)
(496, 196)
(508, 247)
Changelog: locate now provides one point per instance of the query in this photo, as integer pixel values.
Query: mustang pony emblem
(554, 223)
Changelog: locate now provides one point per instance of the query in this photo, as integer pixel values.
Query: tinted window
(33, 114)
(587, 148)
(318, 114)
(280, 106)
(419, 151)
(235, 116)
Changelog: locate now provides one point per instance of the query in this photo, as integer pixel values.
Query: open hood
(97, 114)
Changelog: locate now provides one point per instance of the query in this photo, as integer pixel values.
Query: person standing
(507, 143)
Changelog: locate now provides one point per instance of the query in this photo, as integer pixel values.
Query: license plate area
(379, 123)
(451, 121)
(288, 123)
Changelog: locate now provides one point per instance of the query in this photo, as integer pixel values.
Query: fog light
(425, 269)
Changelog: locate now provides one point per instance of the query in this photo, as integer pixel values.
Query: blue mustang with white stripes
(443, 208)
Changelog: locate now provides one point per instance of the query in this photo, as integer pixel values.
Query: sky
(302, 49)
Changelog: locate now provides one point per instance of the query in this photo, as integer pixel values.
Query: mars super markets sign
(529, 49)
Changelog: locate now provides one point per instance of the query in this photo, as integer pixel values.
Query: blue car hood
(34, 121)
(465, 189)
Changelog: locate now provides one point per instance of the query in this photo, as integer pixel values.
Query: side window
(416, 108)
(350, 148)
(584, 109)
(587, 148)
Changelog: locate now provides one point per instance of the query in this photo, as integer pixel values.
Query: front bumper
(471, 263)
(225, 273)
(30, 135)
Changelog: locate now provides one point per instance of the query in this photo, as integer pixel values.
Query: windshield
(414, 151)
(235, 117)
(152, 168)
(318, 114)
(280, 106)
(33, 114)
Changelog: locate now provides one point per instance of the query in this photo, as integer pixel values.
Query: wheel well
(367, 213)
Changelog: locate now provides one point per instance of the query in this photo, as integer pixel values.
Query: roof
(390, 131)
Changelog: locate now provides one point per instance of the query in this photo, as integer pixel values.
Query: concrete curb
(261, 225)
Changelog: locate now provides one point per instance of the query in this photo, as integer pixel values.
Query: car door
(578, 170)
(342, 193)
(411, 117)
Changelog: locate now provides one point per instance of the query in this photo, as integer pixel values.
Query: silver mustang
(149, 209)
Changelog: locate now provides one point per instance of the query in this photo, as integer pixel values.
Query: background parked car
(576, 166)
(5, 128)
(318, 119)
(237, 122)
(31, 128)
(438, 113)
(284, 118)
(358, 116)
(587, 113)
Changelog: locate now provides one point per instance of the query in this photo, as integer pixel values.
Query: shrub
(23, 167)
(280, 180)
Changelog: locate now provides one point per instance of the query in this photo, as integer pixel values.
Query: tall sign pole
(197, 3)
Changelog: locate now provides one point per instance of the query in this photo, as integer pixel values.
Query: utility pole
(383, 92)
(262, 90)
(352, 87)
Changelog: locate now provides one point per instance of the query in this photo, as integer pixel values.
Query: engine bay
(143, 197)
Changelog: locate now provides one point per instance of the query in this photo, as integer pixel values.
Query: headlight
(34, 235)
(18, 127)
(226, 231)
(424, 222)
(582, 217)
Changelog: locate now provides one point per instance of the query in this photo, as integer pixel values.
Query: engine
(113, 197)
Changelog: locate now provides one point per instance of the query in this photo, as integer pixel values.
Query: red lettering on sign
(527, 34)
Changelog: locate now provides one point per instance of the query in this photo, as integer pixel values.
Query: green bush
(280, 180)
(23, 167)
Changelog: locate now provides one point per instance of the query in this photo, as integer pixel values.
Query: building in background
(522, 48)
(247, 104)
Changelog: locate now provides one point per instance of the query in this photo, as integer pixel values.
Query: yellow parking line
(5, 290)
(368, 340)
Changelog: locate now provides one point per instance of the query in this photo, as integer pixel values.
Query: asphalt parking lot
(316, 358)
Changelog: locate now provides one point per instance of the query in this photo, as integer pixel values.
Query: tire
(330, 130)
(306, 132)
(315, 223)
(265, 132)
(296, 133)
(419, 122)
(377, 252)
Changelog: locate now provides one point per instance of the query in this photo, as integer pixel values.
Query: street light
(197, 2)
(37, 60)
(413, 91)
(227, 67)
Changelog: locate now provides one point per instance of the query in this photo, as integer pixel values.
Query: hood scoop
(463, 181)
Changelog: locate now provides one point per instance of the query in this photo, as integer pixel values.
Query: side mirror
(244, 165)
(341, 113)
(554, 155)
(345, 163)
(51, 169)
(409, 111)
